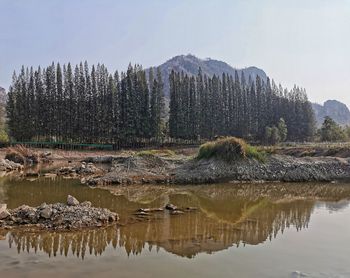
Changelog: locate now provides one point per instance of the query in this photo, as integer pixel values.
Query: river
(238, 230)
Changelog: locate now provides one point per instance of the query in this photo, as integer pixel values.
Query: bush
(229, 149)
(4, 138)
(22, 155)
(331, 131)
(253, 152)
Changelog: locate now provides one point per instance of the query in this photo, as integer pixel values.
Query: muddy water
(238, 230)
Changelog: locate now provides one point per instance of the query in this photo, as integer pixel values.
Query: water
(239, 230)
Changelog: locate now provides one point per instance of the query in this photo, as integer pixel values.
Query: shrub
(21, 154)
(4, 138)
(229, 149)
(253, 152)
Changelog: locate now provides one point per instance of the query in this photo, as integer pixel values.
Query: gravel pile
(59, 216)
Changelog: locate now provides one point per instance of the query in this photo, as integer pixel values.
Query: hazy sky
(306, 42)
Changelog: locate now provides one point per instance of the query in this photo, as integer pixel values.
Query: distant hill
(337, 110)
(190, 64)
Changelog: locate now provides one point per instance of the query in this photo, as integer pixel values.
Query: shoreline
(99, 168)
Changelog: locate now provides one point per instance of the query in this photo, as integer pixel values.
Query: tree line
(90, 105)
(79, 105)
(331, 131)
(204, 107)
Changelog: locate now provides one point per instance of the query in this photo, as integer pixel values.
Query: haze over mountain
(190, 64)
(337, 110)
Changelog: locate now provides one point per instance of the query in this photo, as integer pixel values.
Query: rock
(59, 216)
(32, 174)
(31, 214)
(191, 208)
(112, 217)
(15, 157)
(46, 212)
(65, 170)
(176, 212)
(142, 213)
(71, 201)
(3, 207)
(45, 155)
(3, 211)
(86, 204)
(4, 214)
(150, 209)
(171, 207)
(99, 159)
(50, 175)
(7, 165)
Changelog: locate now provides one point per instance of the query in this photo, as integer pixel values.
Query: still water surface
(239, 230)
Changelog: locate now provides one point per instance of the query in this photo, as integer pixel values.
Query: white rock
(71, 201)
(46, 212)
(4, 214)
(3, 207)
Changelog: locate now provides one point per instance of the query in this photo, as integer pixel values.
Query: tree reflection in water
(227, 215)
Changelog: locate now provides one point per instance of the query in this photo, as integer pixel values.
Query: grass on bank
(230, 149)
(162, 152)
(21, 154)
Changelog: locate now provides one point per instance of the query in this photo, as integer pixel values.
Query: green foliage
(274, 135)
(331, 131)
(255, 153)
(205, 107)
(229, 149)
(82, 105)
(87, 106)
(4, 138)
(282, 130)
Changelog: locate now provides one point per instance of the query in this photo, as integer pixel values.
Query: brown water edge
(228, 215)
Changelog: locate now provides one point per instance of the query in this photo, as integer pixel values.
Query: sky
(303, 42)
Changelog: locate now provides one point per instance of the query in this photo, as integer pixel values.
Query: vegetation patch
(229, 149)
(162, 152)
(22, 155)
(255, 153)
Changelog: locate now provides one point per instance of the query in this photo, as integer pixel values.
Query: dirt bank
(275, 168)
(153, 169)
(164, 167)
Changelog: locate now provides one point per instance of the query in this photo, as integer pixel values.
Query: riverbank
(180, 166)
(184, 170)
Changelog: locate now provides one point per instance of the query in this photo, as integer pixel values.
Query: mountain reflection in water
(227, 215)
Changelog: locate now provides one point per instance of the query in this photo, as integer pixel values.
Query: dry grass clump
(161, 152)
(21, 154)
(229, 149)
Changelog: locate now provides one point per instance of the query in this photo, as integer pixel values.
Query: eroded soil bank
(188, 170)
(181, 167)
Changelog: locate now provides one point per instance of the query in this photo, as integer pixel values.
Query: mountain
(337, 110)
(190, 64)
